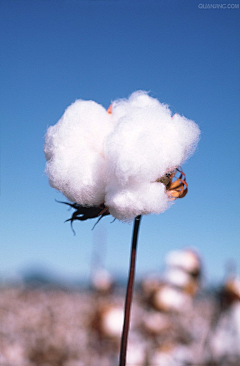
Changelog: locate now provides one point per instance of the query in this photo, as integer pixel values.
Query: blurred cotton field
(176, 320)
(117, 157)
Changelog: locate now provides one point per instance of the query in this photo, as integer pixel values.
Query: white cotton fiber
(94, 157)
(145, 143)
(74, 151)
(135, 199)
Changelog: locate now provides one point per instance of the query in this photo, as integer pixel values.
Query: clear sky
(56, 51)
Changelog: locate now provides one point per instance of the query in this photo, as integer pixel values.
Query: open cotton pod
(125, 159)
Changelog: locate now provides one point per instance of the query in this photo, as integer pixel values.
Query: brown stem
(128, 298)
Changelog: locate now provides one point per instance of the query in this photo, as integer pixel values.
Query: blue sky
(54, 52)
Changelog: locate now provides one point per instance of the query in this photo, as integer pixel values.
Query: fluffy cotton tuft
(145, 143)
(95, 157)
(76, 163)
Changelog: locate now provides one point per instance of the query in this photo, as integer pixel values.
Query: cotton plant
(124, 162)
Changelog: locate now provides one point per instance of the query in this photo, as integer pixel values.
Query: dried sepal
(175, 182)
(83, 213)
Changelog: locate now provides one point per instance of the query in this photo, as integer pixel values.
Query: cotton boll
(145, 144)
(74, 152)
(94, 157)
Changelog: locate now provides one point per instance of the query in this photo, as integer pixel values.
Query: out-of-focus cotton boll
(186, 259)
(170, 299)
(176, 277)
(74, 152)
(113, 322)
(102, 280)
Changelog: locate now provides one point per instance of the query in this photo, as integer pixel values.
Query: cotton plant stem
(129, 293)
